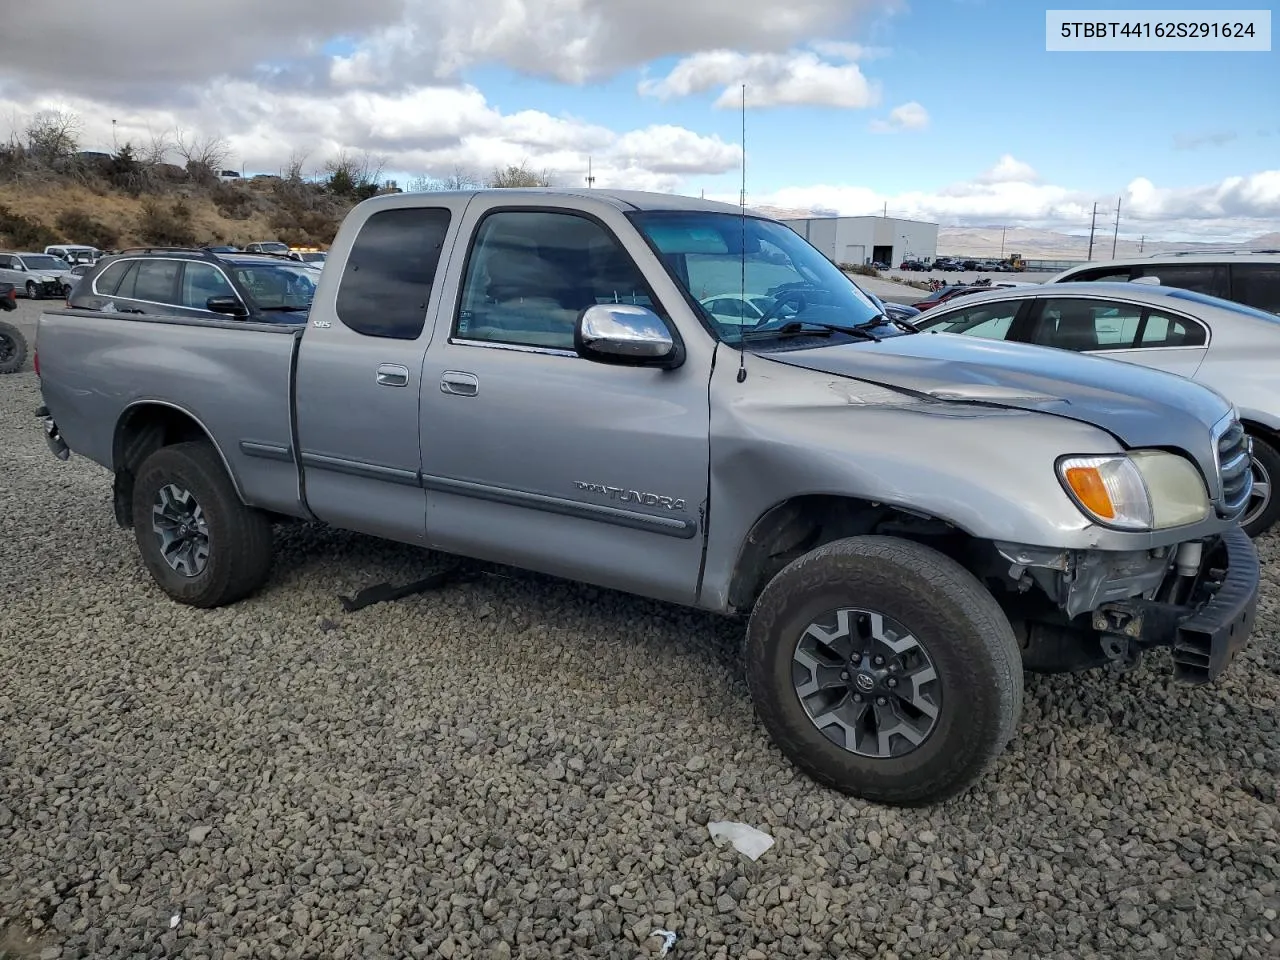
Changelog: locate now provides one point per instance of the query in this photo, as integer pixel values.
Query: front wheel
(200, 542)
(13, 348)
(884, 669)
(33, 292)
(1263, 509)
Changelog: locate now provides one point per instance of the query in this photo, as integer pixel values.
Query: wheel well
(796, 526)
(142, 431)
(1262, 431)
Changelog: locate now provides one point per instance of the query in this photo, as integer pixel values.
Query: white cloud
(1009, 169)
(1011, 193)
(772, 79)
(427, 130)
(908, 116)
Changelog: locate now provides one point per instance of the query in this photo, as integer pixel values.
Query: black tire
(1262, 516)
(33, 292)
(13, 348)
(238, 541)
(953, 618)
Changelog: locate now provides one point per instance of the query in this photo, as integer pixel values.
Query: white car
(734, 308)
(1230, 347)
(35, 275)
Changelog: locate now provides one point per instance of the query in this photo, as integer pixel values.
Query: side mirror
(625, 333)
(228, 305)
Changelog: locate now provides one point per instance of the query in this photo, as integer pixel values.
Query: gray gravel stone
(418, 780)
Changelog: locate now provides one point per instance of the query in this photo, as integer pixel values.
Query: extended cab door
(360, 366)
(536, 457)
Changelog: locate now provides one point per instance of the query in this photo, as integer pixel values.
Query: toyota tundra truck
(685, 401)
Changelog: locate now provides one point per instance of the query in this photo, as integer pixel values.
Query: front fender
(786, 432)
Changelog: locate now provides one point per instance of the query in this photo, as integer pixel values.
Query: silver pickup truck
(528, 377)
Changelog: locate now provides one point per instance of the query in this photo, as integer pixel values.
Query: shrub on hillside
(25, 233)
(233, 202)
(78, 227)
(167, 225)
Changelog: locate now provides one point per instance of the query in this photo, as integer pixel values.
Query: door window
(109, 279)
(1087, 325)
(1106, 274)
(200, 281)
(387, 279)
(531, 273)
(156, 280)
(990, 321)
(1207, 278)
(1163, 330)
(1257, 285)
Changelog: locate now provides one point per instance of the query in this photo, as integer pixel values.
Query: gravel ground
(523, 767)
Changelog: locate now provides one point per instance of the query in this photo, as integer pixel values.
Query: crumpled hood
(1140, 406)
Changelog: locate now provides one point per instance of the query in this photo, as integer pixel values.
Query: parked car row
(904, 522)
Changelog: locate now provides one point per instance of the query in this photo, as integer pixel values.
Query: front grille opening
(1233, 468)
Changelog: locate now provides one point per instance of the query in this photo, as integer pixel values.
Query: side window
(1106, 274)
(1207, 278)
(1256, 285)
(530, 273)
(200, 281)
(386, 282)
(1163, 330)
(110, 281)
(1087, 325)
(991, 321)
(6, 262)
(156, 280)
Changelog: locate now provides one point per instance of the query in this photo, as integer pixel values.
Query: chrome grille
(1234, 473)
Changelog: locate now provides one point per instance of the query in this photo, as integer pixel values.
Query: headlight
(1145, 490)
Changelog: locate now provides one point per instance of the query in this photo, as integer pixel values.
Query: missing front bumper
(1206, 635)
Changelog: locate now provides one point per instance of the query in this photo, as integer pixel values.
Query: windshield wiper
(885, 320)
(795, 327)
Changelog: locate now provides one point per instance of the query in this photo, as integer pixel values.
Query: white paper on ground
(668, 940)
(746, 840)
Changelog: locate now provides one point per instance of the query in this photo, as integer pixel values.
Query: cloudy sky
(948, 110)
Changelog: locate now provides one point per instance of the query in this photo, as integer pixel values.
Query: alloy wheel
(180, 526)
(866, 683)
(1260, 497)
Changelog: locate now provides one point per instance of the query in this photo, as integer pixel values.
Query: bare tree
(156, 149)
(53, 136)
(292, 170)
(460, 179)
(351, 174)
(204, 155)
(518, 176)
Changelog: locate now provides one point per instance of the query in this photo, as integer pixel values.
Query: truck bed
(234, 378)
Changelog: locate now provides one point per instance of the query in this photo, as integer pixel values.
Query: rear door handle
(393, 375)
(459, 384)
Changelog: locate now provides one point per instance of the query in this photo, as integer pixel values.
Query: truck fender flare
(118, 454)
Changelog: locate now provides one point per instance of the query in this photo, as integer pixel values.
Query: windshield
(278, 286)
(752, 291)
(44, 262)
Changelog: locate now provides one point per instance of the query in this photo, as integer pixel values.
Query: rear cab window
(390, 271)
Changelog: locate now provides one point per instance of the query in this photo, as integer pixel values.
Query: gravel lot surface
(525, 768)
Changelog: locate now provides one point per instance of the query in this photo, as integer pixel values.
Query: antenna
(742, 251)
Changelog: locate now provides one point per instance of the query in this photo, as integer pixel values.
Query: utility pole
(886, 209)
(1092, 227)
(1142, 243)
(1116, 236)
(590, 178)
(1003, 230)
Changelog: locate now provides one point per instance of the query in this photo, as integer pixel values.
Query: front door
(359, 373)
(535, 457)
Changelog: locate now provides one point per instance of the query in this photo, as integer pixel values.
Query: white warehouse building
(862, 240)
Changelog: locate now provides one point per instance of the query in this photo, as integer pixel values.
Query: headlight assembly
(1143, 490)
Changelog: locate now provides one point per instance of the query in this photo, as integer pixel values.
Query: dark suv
(198, 283)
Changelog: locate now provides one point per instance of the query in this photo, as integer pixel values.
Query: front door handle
(459, 384)
(392, 375)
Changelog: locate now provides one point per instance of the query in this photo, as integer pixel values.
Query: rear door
(359, 375)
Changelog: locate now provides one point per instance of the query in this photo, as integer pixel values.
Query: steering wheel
(784, 297)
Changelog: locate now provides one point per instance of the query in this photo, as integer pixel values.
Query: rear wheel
(13, 348)
(884, 669)
(200, 542)
(1263, 509)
